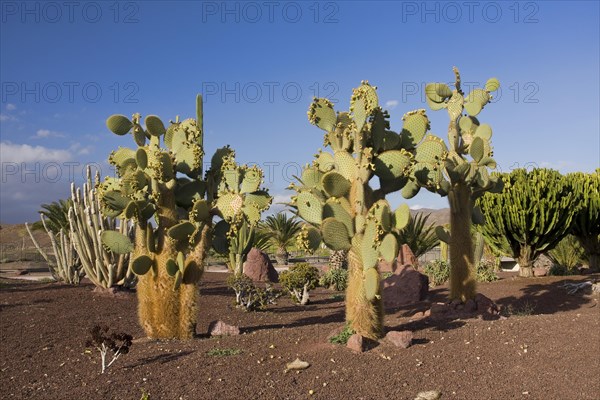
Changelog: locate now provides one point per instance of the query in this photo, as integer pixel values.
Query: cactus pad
(335, 210)
(389, 247)
(155, 126)
(392, 164)
(492, 85)
(431, 150)
(335, 234)
(171, 267)
(476, 100)
(119, 124)
(345, 164)
(401, 217)
(322, 114)
(416, 125)
(310, 207)
(371, 282)
(181, 231)
(335, 184)
(116, 242)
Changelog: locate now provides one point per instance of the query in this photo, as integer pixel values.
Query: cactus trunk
(524, 260)
(462, 268)
(365, 316)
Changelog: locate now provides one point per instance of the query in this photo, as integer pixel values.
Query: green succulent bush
(335, 278)
(438, 272)
(299, 280)
(487, 271)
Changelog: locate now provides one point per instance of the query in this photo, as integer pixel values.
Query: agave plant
(419, 235)
(281, 231)
(56, 216)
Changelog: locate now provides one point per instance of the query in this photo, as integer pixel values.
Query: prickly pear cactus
(167, 185)
(341, 208)
(459, 170)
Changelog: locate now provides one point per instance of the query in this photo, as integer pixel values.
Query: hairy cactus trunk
(365, 316)
(462, 268)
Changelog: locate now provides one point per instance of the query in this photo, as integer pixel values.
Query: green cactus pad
(389, 247)
(200, 211)
(231, 178)
(312, 236)
(178, 139)
(169, 135)
(455, 106)
(310, 207)
(484, 131)
(260, 199)
(369, 246)
(414, 128)
(115, 200)
(311, 177)
(325, 161)
(477, 216)
(229, 205)
(335, 184)
(116, 242)
(431, 150)
(251, 213)
(475, 101)
(192, 273)
(141, 158)
(119, 124)
(220, 242)
(141, 265)
(435, 106)
(188, 192)
(487, 162)
(139, 136)
(181, 231)
(150, 238)
(476, 149)
(392, 164)
(442, 234)
(160, 165)
(333, 209)
(251, 181)
(483, 178)
(177, 282)
(322, 114)
(133, 182)
(217, 159)
(122, 156)
(437, 92)
(371, 282)
(381, 211)
(154, 125)
(189, 159)
(335, 234)
(401, 217)
(171, 267)
(362, 104)
(410, 190)
(180, 259)
(345, 164)
(492, 85)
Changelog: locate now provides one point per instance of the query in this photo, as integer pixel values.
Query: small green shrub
(248, 296)
(438, 272)
(560, 270)
(298, 280)
(216, 352)
(335, 278)
(343, 336)
(486, 271)
(568, 254)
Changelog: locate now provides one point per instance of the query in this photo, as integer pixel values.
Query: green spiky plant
(167, 185)
(586, 222)
(459, 170)
(334, 196)
(532, 214)
(55, 216)
(282, 231)
(235, 244)
(419, 235)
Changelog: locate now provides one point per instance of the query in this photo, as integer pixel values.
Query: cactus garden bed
(547, 347)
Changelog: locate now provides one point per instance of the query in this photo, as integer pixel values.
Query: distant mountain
(437, 217)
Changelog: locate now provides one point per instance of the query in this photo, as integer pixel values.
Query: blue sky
(65, 68)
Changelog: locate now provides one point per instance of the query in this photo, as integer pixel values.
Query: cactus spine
(167, 185)
(334, 197)
(446, 170)
(104, 268)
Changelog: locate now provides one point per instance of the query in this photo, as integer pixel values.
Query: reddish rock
(357, 343)
(220, 328)
(405, 286)
(439, 309)
(486, 305)
(400, 338)
(470, 306)
(406, 256)
(385, 266)
(259, 268)
(540, 271)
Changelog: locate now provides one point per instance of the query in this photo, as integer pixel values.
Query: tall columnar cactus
(459, 170)
(64, 263)
(234, 243)
(532, 214)
(104, 268)
(343, 210)
(586, 222)
(167, 185)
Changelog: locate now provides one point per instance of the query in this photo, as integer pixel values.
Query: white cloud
(22, 153)
(282, 198)
(6, 117)
(45, 133)
(80, 149)
(11, 107)
(391, 104)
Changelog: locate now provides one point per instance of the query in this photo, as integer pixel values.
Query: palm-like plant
(419, 236)
(56, 215)
(281, 231)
